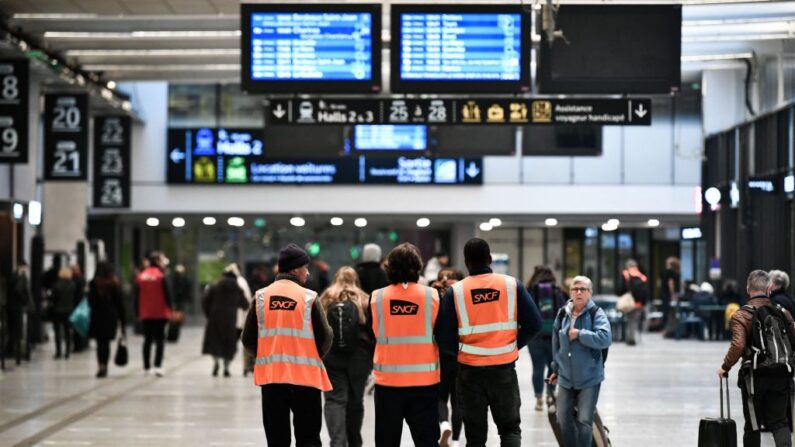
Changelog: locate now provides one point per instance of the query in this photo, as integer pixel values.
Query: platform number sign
(14, 111)
(112, 162)
(65, 136)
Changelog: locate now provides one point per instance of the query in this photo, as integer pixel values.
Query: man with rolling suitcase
(763, 336)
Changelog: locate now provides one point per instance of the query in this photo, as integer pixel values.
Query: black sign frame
(461, 111)
(14, 110)
(66, 121)
(112, 143)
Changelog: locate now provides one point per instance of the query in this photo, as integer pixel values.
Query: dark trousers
(154, 332)
(770, 405)
(344, 408)
(541, 354)
(418, 405)
(481, 388)
(103, 351)
(63, 333)
(447, 390)
(278, 400)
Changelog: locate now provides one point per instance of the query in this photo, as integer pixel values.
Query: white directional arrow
(472, 171)
(640, 111)
(279, 111)
(176, 155)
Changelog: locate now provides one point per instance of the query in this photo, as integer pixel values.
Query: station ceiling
(199, 40)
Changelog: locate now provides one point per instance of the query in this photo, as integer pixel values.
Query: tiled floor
(654, 395)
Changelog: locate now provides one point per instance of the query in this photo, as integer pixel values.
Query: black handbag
(122, 356)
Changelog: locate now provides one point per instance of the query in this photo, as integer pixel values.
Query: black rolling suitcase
(601, 435)
(718, 432)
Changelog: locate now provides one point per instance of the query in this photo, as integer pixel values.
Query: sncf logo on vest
(282, 303)
(480, 296)
(399, 307)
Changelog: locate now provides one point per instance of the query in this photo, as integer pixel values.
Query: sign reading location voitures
(462, 111)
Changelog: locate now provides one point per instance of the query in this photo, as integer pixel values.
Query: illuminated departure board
(443, 47)
(391, 137)
(330, 46)
(459, 45)
(311, 48)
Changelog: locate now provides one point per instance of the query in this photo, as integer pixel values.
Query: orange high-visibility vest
(406, 354)
(487, 320)
(286, 350)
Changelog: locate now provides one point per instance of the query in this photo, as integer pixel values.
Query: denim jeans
(541, 354)
(575, 415)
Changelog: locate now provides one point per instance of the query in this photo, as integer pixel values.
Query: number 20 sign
(65, 136)
(14, 111)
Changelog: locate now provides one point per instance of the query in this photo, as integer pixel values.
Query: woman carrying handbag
(107, 310)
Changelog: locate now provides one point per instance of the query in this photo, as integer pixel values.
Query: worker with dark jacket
(765, 390)
(286, 330)
(487, 318)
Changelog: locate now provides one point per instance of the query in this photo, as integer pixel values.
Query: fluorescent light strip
(716, 57)
(142, 35)
(53, 16)
(739, 21)
(737, 37)
(153, 53)
(155, 68)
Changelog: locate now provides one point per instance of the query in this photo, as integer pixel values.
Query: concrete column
(723, 99)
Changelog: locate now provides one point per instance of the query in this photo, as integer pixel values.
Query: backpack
(771, 345)
(592, 312)
(548, 299)
(343, 316)
(638, 288)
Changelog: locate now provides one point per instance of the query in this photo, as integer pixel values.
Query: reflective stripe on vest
(466, 329)
(415, 367)
(284, 358)
(381, 337)
(290, 332)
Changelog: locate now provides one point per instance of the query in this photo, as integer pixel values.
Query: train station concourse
(396, 223)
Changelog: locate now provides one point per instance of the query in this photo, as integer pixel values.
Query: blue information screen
(461, 46)
(311, 46)
(401, 137)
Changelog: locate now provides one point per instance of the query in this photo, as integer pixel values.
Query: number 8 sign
(14, 111)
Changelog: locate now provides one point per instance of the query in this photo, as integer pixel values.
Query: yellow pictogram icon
(470, 113)
(496, 114)
(542, 112)
(518, 112)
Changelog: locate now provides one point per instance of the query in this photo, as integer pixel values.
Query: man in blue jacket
(580, 334)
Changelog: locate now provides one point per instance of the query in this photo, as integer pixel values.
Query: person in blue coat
(580, 333)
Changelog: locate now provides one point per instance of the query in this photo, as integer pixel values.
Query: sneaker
(539, 403)
(444, 440)
(159, 372)
(456, 443)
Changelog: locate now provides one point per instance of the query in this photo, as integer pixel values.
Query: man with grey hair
(765, 385)
(779, 283)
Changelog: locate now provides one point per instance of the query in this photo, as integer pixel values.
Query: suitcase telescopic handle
(728, 406)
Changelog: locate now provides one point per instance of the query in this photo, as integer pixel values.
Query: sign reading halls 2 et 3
(462, 111)
(66, 136)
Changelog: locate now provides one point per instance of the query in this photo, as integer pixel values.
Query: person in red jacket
(154, 309)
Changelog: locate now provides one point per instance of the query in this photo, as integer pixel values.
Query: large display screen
(447, 48)
(390, 137)
(613, 49)
(311, 48)
(238, 156)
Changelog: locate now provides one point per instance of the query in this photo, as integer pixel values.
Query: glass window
(192, 105)
(590, 252)
(238, 109)
(607, 281)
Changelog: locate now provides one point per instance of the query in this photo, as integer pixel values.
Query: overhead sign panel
(205, 156)
(460, 48)
(14, 110)
(66, 136)
(112, 162)
(311, 48)
(464, 111)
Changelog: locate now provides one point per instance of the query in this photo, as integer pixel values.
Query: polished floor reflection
(654, 395)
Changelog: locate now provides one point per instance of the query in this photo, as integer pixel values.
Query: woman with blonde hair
(350, 360)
